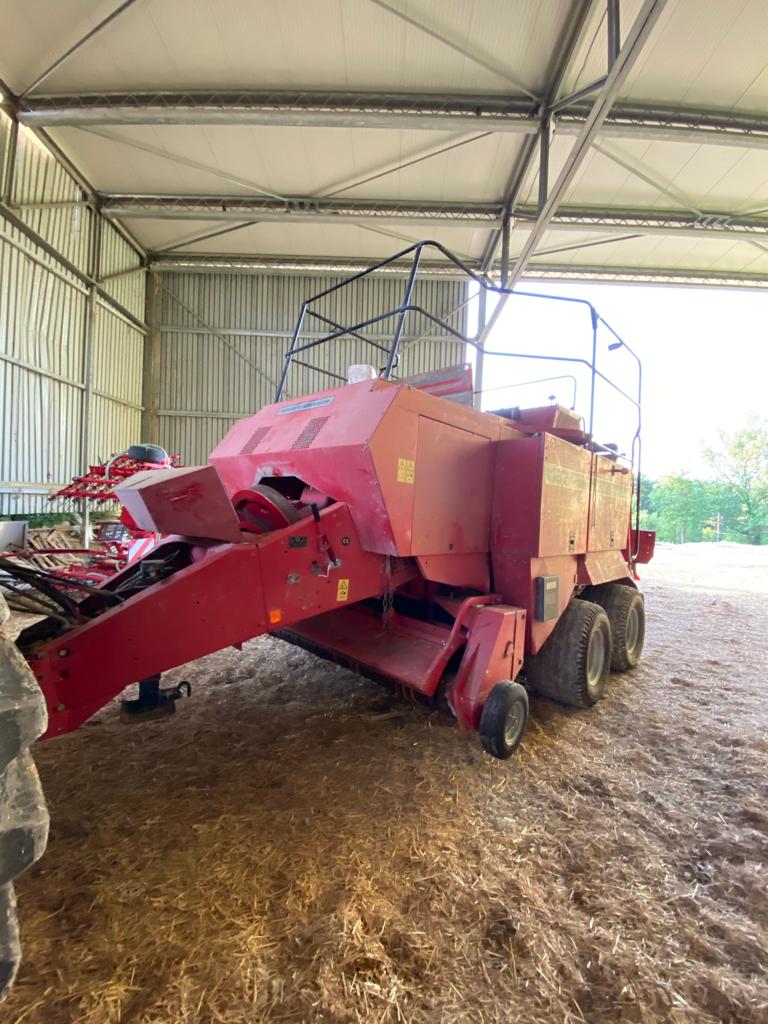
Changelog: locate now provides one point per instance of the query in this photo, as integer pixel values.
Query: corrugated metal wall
(223, 337)
(67, 392)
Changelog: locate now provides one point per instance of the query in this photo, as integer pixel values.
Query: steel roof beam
(286, 109)
(654, 124)
(424, 112)
(300, 209)
(535, 271)
(644, 275)
(713, 223)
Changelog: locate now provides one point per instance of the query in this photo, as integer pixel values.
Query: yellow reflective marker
(342, 590)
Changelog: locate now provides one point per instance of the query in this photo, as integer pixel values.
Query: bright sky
(704, 354)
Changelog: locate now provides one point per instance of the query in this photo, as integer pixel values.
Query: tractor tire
(625, 609)
(23, 814)
(503, 719)
(572, 667)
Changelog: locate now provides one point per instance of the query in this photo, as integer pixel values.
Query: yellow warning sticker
(406, 470)
(342, 590)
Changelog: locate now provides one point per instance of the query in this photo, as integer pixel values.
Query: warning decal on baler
(406, 470)
(342, 590)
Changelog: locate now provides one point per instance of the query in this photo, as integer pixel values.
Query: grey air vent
(255, 439)
(310, 432)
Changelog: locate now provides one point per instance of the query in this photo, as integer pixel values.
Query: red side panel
(452, 490)
(540, 498)
(459, 570)
(603, 567)
(611, 502)
(190, 501)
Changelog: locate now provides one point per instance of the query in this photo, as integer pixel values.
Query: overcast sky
(704, 353)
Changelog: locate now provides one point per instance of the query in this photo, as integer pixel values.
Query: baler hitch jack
(153, 701)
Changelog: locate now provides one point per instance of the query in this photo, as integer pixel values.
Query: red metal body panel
(189, 501)
(361, 446)
(398, 496)
(455, 472)
(644, 543)
(416, 653)
(236, 592)
(610, 505)
(493, 652)
(554, 504)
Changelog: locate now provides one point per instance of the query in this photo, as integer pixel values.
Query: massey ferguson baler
(470, 556)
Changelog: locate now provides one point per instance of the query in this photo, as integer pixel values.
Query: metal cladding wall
(70, 353)
(221, 339)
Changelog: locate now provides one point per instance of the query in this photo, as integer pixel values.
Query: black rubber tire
(23, 814)
(625, 608)
(503, 719)
(564, 669)
(148, 453)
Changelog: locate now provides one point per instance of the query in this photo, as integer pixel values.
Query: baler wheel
(503, 719)
(572, 666)
(23, 814)
(625, 609)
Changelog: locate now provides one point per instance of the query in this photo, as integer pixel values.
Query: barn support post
(150, 421)
(482, 308)
(89, 332)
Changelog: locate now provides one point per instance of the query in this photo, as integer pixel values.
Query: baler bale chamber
(390, 526)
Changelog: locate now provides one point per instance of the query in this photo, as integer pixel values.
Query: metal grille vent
(255, 439)
(310, 432)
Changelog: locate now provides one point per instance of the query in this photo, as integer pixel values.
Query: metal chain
(388, 598)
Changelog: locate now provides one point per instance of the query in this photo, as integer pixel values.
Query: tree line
(732, 505)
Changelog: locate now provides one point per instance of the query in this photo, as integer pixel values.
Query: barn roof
(328, 134)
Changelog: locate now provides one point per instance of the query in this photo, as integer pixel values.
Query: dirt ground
(299, 845)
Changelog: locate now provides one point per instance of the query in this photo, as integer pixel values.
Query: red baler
(407, 535)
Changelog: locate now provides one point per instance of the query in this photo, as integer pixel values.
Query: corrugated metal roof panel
(707, 54)
(315, 239)
(178, 43)
(248, 160)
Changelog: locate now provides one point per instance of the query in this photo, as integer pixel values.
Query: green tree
(741, 464)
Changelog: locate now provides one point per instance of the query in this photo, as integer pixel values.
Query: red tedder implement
(117, 542)
(416, 538)
(390, 526)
